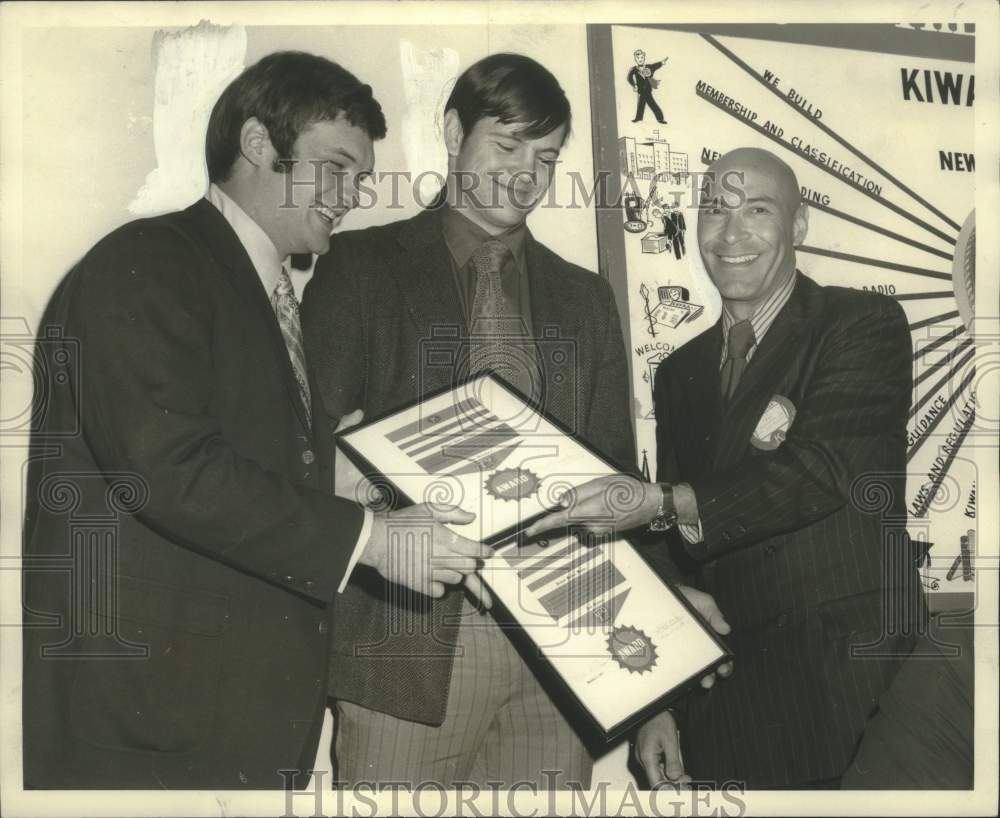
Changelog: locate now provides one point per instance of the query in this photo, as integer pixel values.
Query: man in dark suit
(438, 693)
(180, 554)
(640, 77)
(781, 454)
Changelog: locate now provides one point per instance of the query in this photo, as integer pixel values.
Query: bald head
(750, 221)
(764, 163)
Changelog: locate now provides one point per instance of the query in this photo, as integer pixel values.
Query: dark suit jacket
(187, 645)
(381, 304)
(800, 542)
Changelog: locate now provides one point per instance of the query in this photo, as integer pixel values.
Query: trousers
(500, 728)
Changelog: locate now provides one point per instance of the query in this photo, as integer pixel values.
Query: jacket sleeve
(333, 330)
(609, 426)
(851, 421)
(663, 550)
(147, 387)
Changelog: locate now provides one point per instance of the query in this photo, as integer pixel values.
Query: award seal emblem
(774, 424)
(512, 484)
(632, 649)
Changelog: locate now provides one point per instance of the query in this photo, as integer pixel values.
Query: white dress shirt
(266, 261)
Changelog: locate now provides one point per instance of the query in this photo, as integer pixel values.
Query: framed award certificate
(619, 639)
(481, 447)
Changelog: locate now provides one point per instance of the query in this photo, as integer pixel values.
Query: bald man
(781, 453)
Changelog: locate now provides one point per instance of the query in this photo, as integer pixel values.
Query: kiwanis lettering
(920, 86)
(970, 505)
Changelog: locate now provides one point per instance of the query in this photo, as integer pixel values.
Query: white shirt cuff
(686, 506)
(366, 531)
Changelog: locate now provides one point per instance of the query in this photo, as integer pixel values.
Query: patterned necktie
(286, 309)
(741, 339)
(496, 326)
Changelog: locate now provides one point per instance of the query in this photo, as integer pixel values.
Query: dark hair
(287, 91)
(513, 88)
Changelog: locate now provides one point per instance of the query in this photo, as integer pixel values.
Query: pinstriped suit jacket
(802, 543)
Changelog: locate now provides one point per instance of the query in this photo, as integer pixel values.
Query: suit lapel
(556, 320)
(770, 363)
(699, 379)
(223, 244)
(426, 282)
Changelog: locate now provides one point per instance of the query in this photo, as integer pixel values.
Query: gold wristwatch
(666, 514)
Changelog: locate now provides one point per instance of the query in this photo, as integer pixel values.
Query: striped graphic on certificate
(460, 439)
(576, 583)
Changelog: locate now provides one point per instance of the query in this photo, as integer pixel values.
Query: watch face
(663, 522)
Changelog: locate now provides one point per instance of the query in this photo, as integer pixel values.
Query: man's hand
(349, 482)
(705, 605)
(411, 547)
(605, 505)
(658, 750)
(352, 484)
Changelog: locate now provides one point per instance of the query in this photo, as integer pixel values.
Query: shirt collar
(263, 254)
(763, 316)
(463, 236)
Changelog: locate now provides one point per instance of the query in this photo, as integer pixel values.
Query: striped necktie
(741, 339)
(286, 309)
(498, 341)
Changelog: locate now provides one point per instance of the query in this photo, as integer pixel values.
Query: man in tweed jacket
(430, 690)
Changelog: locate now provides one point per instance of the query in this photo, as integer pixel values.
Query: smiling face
(300, 209)
(748, 229)
(497, 176)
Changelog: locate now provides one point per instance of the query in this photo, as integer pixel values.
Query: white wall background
(98, 120)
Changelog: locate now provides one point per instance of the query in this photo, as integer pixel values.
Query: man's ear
(255, 143)
(800, 225)
(453, 132)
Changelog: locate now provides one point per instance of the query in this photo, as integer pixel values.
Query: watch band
(666, 514)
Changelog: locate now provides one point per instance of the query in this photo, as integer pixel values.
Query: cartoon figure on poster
(640, 77)
(679, 225)
(664, 218)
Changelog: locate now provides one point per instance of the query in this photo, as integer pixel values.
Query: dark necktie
(741, 339)
(497, 329)
(286, 309)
